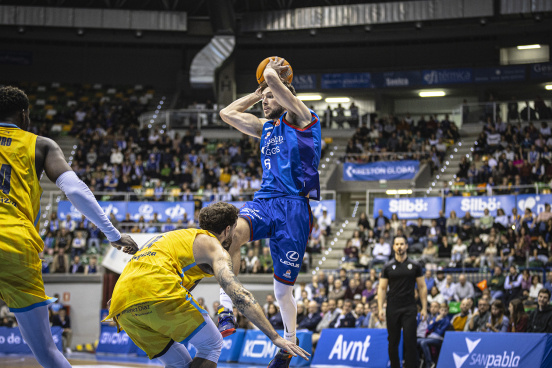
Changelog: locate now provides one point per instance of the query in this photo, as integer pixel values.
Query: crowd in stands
(128, 158)
(503, 240)
(507, 155)
(509, 303)
(394, 138)
(506, 255)
(58, 316)
(72, 246)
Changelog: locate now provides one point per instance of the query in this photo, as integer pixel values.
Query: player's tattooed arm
(242, 298)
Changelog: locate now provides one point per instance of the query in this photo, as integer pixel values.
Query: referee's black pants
(402, 317)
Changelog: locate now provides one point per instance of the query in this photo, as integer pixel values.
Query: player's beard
(275, 113)
(226, 243)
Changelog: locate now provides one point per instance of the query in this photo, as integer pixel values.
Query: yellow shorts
(21, 285)
(155, 325)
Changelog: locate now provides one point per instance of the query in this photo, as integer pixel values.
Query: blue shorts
(287, 221)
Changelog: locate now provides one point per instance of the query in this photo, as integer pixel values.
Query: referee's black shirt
(402, 281)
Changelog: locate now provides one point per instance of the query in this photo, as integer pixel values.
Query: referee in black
(401, 274)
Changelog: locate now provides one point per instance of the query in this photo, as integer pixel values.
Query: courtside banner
(535, 202)
(391, 170)
(476, 205)
(409, 208)
(352, 347)
(118, 208)
(112, 342)
(486, 350)
(258, 349)
(175, 210)
(11, 341)
(231, 347)
(317, 207)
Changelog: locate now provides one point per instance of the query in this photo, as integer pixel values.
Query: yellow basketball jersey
(20, 190)
(165, 268)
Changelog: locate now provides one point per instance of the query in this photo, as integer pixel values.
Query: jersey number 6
(267, 163)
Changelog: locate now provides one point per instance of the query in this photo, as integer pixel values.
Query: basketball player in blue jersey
(290, 138)
(23, 157)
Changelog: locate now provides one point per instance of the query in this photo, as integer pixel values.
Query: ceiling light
(337, 99)
(548, 87)
(309, 97)
(391, 192)
(432, 94)
(529, 47)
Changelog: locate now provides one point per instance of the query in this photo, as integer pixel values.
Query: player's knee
(283, 292)
(45, 355)
(211, 348)
(242, 233)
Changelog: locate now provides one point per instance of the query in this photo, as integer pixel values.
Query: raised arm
(212, 252)
(235, 115)
(283, 95)
(48, 155)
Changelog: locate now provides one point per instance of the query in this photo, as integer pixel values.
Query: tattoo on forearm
(241, 298)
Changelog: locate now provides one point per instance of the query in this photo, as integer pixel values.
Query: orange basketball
(286, 75)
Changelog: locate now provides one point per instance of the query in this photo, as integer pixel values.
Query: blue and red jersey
(290, 158)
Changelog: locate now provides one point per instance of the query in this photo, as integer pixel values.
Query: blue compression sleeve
(82, 198)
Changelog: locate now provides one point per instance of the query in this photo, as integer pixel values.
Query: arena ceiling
(196, 8)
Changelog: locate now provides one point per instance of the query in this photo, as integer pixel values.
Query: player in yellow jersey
(152, 301)
(23, 157)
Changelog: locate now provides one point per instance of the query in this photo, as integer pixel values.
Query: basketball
(287, 74)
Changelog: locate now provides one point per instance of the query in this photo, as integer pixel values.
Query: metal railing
(509, 111)
(210, 119)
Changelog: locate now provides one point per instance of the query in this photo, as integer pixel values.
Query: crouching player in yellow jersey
(152, 301)
(23, 157)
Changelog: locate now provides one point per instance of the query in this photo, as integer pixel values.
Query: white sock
(225, 300)
(288, 309)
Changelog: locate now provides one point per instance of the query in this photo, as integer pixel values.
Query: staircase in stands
(331, 257)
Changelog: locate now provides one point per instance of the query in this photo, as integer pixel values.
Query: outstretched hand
(126, 243)
(290, 347)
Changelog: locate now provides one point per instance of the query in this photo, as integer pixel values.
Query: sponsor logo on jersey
(288, 263)
(288, 274)
(292, 256)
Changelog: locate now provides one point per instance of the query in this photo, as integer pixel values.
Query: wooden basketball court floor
(80, 360)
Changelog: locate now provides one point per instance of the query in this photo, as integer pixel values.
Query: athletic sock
(225, 300)
(288, 309)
